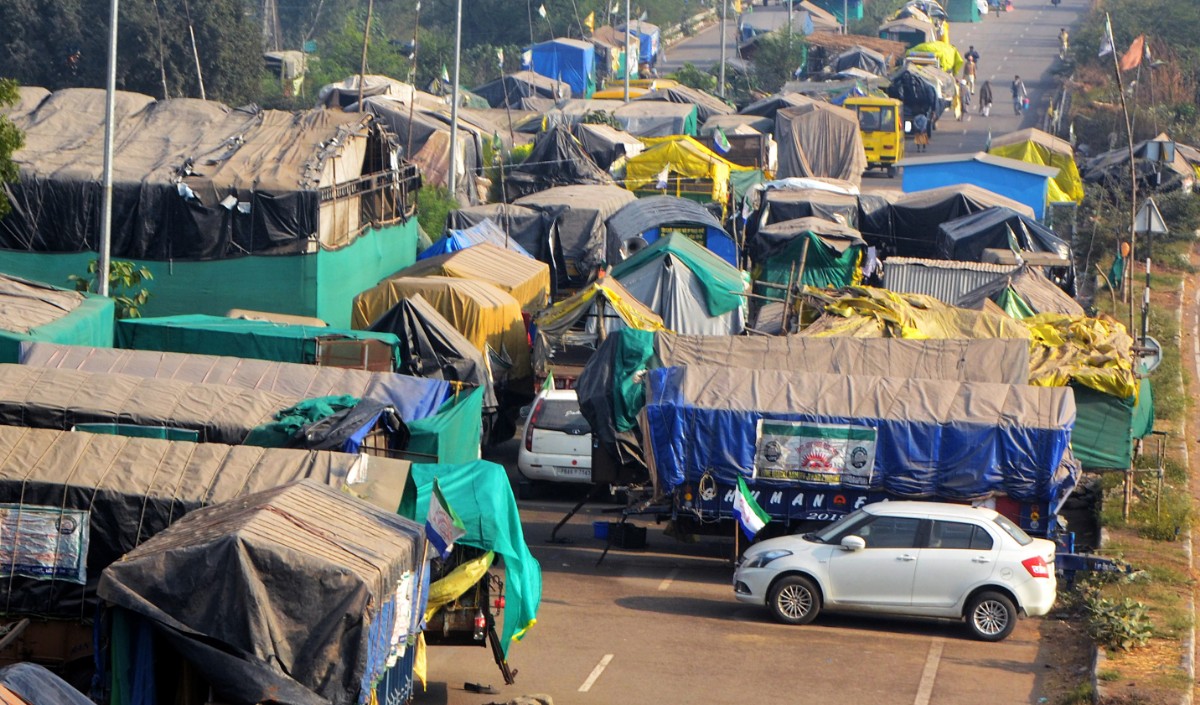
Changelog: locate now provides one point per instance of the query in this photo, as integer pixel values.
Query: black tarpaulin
(707, 105)
(294, 578)
(579, 213)
(790, 204)
(909, 226)
(532, 229)
(922, 89)
(767, 107)
(967, 237)
(861, 58)
(557, 159)
(511, 90)
(605, 144)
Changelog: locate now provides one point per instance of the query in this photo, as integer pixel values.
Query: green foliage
(693, 77)
(601, 117)
(778, 55)
(11, 139)
(433, 205)
(1079, 695)
(1119, 625)
(124, 285)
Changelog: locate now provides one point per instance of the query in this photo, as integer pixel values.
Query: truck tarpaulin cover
(579, 213)
(304, 589)
(460, 239)
(526, 279)
(933, 438)
(569, 61)
(132, 488)
(529, 228)
(909, 226)
(964, 239)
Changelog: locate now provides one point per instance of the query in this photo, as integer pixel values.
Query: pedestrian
(969, 73)
(921, 132)
(1019, 95)
(985, 98)
(964, 93)
(1064, 43)
(972, 54)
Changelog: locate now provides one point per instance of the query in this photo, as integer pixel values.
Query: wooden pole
(362, 69)
(1128, 277)
(412, 101)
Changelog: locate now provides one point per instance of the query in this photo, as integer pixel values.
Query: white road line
(666, 583)
(591, 679)
(925, 689)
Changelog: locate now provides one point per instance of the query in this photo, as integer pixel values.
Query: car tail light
(1036, 566)
(533, 417)
(480, 625)
(498, 603)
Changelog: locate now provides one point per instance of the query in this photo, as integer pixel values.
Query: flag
(721, 141)
(418, 7)
(750, 516)
(642, 17)
(590, 21)
(1116, 273)
(548, 384)
(747, 208)
(542, 11)
(497, 143)
(442, 525)
(500, 58)
(663, 179)
(445, 74)
(1106, 42)
(1133, 58)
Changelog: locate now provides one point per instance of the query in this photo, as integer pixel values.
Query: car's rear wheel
(795, 600)
(991, 616)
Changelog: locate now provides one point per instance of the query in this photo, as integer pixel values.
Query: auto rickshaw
(880, 121)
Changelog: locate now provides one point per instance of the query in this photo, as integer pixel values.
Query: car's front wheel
(991, 616)
(795, 600)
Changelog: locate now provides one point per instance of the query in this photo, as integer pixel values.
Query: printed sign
(818, 453)
(44, 543)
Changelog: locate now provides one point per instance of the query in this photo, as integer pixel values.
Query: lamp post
(453, 180)
(724, 12)
(628, 44)
(110, 99)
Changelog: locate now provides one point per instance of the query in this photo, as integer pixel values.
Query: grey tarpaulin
(819, 139)
(790, 204)
(557, 159)
(1042, 295)
(909, 226)
(860, 58)
(707, 105)
(922, 89)
(532, 229)
(512, 89)
(656, 212)
(132, 488)
(769, 106)
(999, 227)
(607, 144)
(579, 213)
(770, 240)
(36, 685)
(294, 578)
(1155, 170)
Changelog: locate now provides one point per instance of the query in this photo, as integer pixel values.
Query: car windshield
(835, 531)
(561, 415)
(1013, 530)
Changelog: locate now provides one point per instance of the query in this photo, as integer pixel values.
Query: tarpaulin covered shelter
(1021, 181)
(570, 61)
(605, 144)
(707, 105)
(908, 31)
(948, 58)
(683, 158)
(736, 123)
(658, 118)
(261, 340)
(978, 439)
(909, 225)
(579, 214)
(965, 238)
(689, 287)
(526, 279)
(610, 52)
(529, 228)
(649, 40)
(869, 312)
(819, 139)
(460, 239)
(487, 316)
(831, 257)
(32, 684)
(652, 217)
(1158, 164)
(557, 159)
(859, 57)
(272, 564)
(1022, 293)
(782, 204)
(1043, 149)
(119, 492)
(511, 89)
(922, 90)
(345, 94)
(769, 106)
(30, 311)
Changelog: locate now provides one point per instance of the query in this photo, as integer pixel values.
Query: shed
(644, 221)
(568, 60)
(819, 139)
(947, 281)
(1021, 181)
(1041, 148)
(908, 31)
(30, 311)
(579, 214)
(909, 225)
(606, 145)
(649, 39)
(526, 279)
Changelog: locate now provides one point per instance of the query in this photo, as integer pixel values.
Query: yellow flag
(737, 6)
(590, 21)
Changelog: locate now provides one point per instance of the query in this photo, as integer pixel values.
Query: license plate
(570, 471)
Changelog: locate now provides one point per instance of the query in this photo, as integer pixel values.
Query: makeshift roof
(908, 24)
(1161, 174)
(579, 213)
(1037, 292)
(560, 317)
(733, 122)
(809, 251)
(483, 231)
(966, 238)
(557, 159)
(949, 60)
(271, 564)
(512, 88)
(1037, 147)
(819, 139)
(840, 42)
(28, 683)
(707, 105)
(719, 280)
(868, 312)
(606, 144)
(789, 204)
(344, 93)
(652, 212)
(945, 280)
(767, 107)
(685, 157)
(526, 279)
(982, 158)
(30, 311)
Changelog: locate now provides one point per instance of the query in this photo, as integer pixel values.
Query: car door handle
(981, 559)
(906, 557)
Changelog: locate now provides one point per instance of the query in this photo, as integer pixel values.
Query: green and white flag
(442, 525)
(721, 141)
(750, 516)
(445, 74)
(542, 11)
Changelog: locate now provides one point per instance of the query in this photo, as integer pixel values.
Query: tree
(11, 140)
(778, 54)
(123, 279)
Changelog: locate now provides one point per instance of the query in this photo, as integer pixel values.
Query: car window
(1013, 530)
(841, 528)
(957, 534)
(890, 532)
(868, 119)
(561, 415)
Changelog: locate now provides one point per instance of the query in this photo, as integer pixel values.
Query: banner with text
(818, 453)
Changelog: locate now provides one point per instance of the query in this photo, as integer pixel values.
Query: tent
(581, 239)
(526, 279)
(819, 139)
(570, 61)
(869, 312)
(861, 58)
(812, 251)
(605, 144)
(1041, 148)
(909, 226)
(948, 57)
(557, 159)
(769, 106)
(487, 316)
(648, 219)
(707, 105)
(781, 204)
(657, 118)
(529, 228)
(965, 238)
(610, 52)
(683, 158)
(483, 231)
(922, 89)
(30, 311)
(907, 30)
(260, 340)
(511, 89)
(649, 40)
(126, 490)
(27, 683)
(736, 123)
(272, 564)
(1158, 164)
(689, 287)
(1023, 293)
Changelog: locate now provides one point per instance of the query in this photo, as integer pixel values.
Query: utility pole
(362, 69)
(845, 16)
(452, 181)
(110, 100)
(724, 12)
(628, 44)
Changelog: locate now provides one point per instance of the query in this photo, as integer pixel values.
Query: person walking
(968, 73)
(972, 54)
(985, 98)
(1019, 95)
(921, 132)
(1064, 43)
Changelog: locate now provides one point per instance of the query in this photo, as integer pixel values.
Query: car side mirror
(853, 543)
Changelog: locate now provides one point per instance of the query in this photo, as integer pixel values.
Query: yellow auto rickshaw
(881, 123)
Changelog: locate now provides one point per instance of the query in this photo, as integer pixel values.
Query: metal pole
(845, 16)
(362, 69)
(453, 180)
(628, 45)
(789, 2)
(724, 12)
(110, 99)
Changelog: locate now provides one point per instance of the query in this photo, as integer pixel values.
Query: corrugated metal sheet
(944, 280)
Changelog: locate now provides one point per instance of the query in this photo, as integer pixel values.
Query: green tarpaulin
(1106, 427)
(287, 422)
(720, 280)
(479, 493)
(452, 434)
(89, 323)
(634, 350)
(824, 266)
(1013, 304)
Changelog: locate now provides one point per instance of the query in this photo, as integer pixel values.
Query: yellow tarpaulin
(949, 60)
(632, 312)
(683, 157)
(441, 593)
(1094, 352)
(1036, 147)
(527, 279)
(868, 312)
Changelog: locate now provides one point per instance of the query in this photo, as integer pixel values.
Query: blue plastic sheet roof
(483, 231)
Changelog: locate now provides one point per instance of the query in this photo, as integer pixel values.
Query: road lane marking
(666, 583)
(925, 689)
(591, 679)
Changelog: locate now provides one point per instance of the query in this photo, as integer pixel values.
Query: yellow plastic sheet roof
(682, 156)
(1094, 352)
(1036, 147)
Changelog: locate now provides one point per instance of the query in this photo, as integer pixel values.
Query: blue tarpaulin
(484, 231)
(568, 60)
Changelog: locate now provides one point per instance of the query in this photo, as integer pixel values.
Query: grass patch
(1079, 695)
(1109, 675)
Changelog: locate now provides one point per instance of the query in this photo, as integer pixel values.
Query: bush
(693, 77)
(433, 205)
(1120, 625)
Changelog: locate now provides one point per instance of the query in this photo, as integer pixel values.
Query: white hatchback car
(557, 446)
(923, 559)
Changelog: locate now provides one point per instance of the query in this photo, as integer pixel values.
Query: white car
(923, 559)
(557, 446)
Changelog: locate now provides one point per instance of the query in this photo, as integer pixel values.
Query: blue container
(600, 530)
